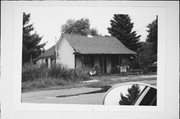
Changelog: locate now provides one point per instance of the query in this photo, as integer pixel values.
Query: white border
(167, 97)
(69, 107)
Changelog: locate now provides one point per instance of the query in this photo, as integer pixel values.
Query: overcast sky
(48, 20)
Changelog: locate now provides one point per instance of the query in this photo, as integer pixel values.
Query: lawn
(110, 80)
(96, 82)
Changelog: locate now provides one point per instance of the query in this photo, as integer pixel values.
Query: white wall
(40, 62)
(65, 54)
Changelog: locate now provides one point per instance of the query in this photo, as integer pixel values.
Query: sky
(47, 21)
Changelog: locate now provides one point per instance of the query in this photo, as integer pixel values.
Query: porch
(106, 63)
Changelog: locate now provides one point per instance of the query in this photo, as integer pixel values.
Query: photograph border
(160, 11)
(169, 89)
(168, 67)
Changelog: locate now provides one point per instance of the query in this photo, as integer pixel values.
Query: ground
(86, 92)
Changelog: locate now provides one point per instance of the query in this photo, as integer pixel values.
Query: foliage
(34, 76)
(148, 50)
(146, 55)
(62, 72)
(31, 47)
(129, 98)
(32, 72)
(81, 26)
(121, 28)
(152, 35)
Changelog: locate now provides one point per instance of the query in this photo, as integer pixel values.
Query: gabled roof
(91, 45)
(96, 45)
(50, 53)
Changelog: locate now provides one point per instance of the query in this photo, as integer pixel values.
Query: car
(132, 93)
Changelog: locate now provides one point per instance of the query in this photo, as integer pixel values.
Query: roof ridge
(87, 36)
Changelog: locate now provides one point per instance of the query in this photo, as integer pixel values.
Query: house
(75, 51)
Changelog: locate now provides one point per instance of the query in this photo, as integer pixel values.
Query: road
(51, 96)
(81, 95)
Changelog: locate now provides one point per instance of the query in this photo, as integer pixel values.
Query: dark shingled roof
(91, 45)
(97, 45)
(50, 53)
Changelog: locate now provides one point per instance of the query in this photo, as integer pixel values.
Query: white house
(75, 51)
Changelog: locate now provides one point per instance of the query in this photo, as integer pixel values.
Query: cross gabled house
(75, 51)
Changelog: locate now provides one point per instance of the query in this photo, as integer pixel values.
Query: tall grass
(32, 72)
(61, 72)
(34, 76)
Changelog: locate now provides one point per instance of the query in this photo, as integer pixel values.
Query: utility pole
(55, 49)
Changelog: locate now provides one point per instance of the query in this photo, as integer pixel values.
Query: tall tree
(121, 28)
(81, 26)
(152, 35)
(31, 47)
(145, 55)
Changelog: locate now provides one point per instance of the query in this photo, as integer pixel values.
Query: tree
(146, 55)
(81, 27)
(121, 28)
(31, 47)
(129, 98)
(152, 35)
(148, 50)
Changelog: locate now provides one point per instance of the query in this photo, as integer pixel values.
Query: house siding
(65, 54)
(40, 62)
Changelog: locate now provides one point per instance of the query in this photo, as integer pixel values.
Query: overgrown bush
(62, 72)
(81, 74)
(33, 72)
(34, 77)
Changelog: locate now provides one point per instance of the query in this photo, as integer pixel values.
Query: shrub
(58, 71)
(33, 72)
(34, 76)
(81, 74)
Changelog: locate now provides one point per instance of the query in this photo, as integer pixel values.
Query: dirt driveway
(92, 92)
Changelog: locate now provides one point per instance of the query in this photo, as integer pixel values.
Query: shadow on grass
(102, 90)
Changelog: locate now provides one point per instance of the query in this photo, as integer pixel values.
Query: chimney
(89, 33)
(89, 36)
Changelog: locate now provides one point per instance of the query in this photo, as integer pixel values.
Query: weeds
(34, 76)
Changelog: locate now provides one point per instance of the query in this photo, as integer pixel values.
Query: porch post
(49, 62)
(108, 64)
(119, 60)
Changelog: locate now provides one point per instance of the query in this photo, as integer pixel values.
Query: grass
(104, 82)
(109, 80)
(59, 77)
(35, 77)
(44, 84)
